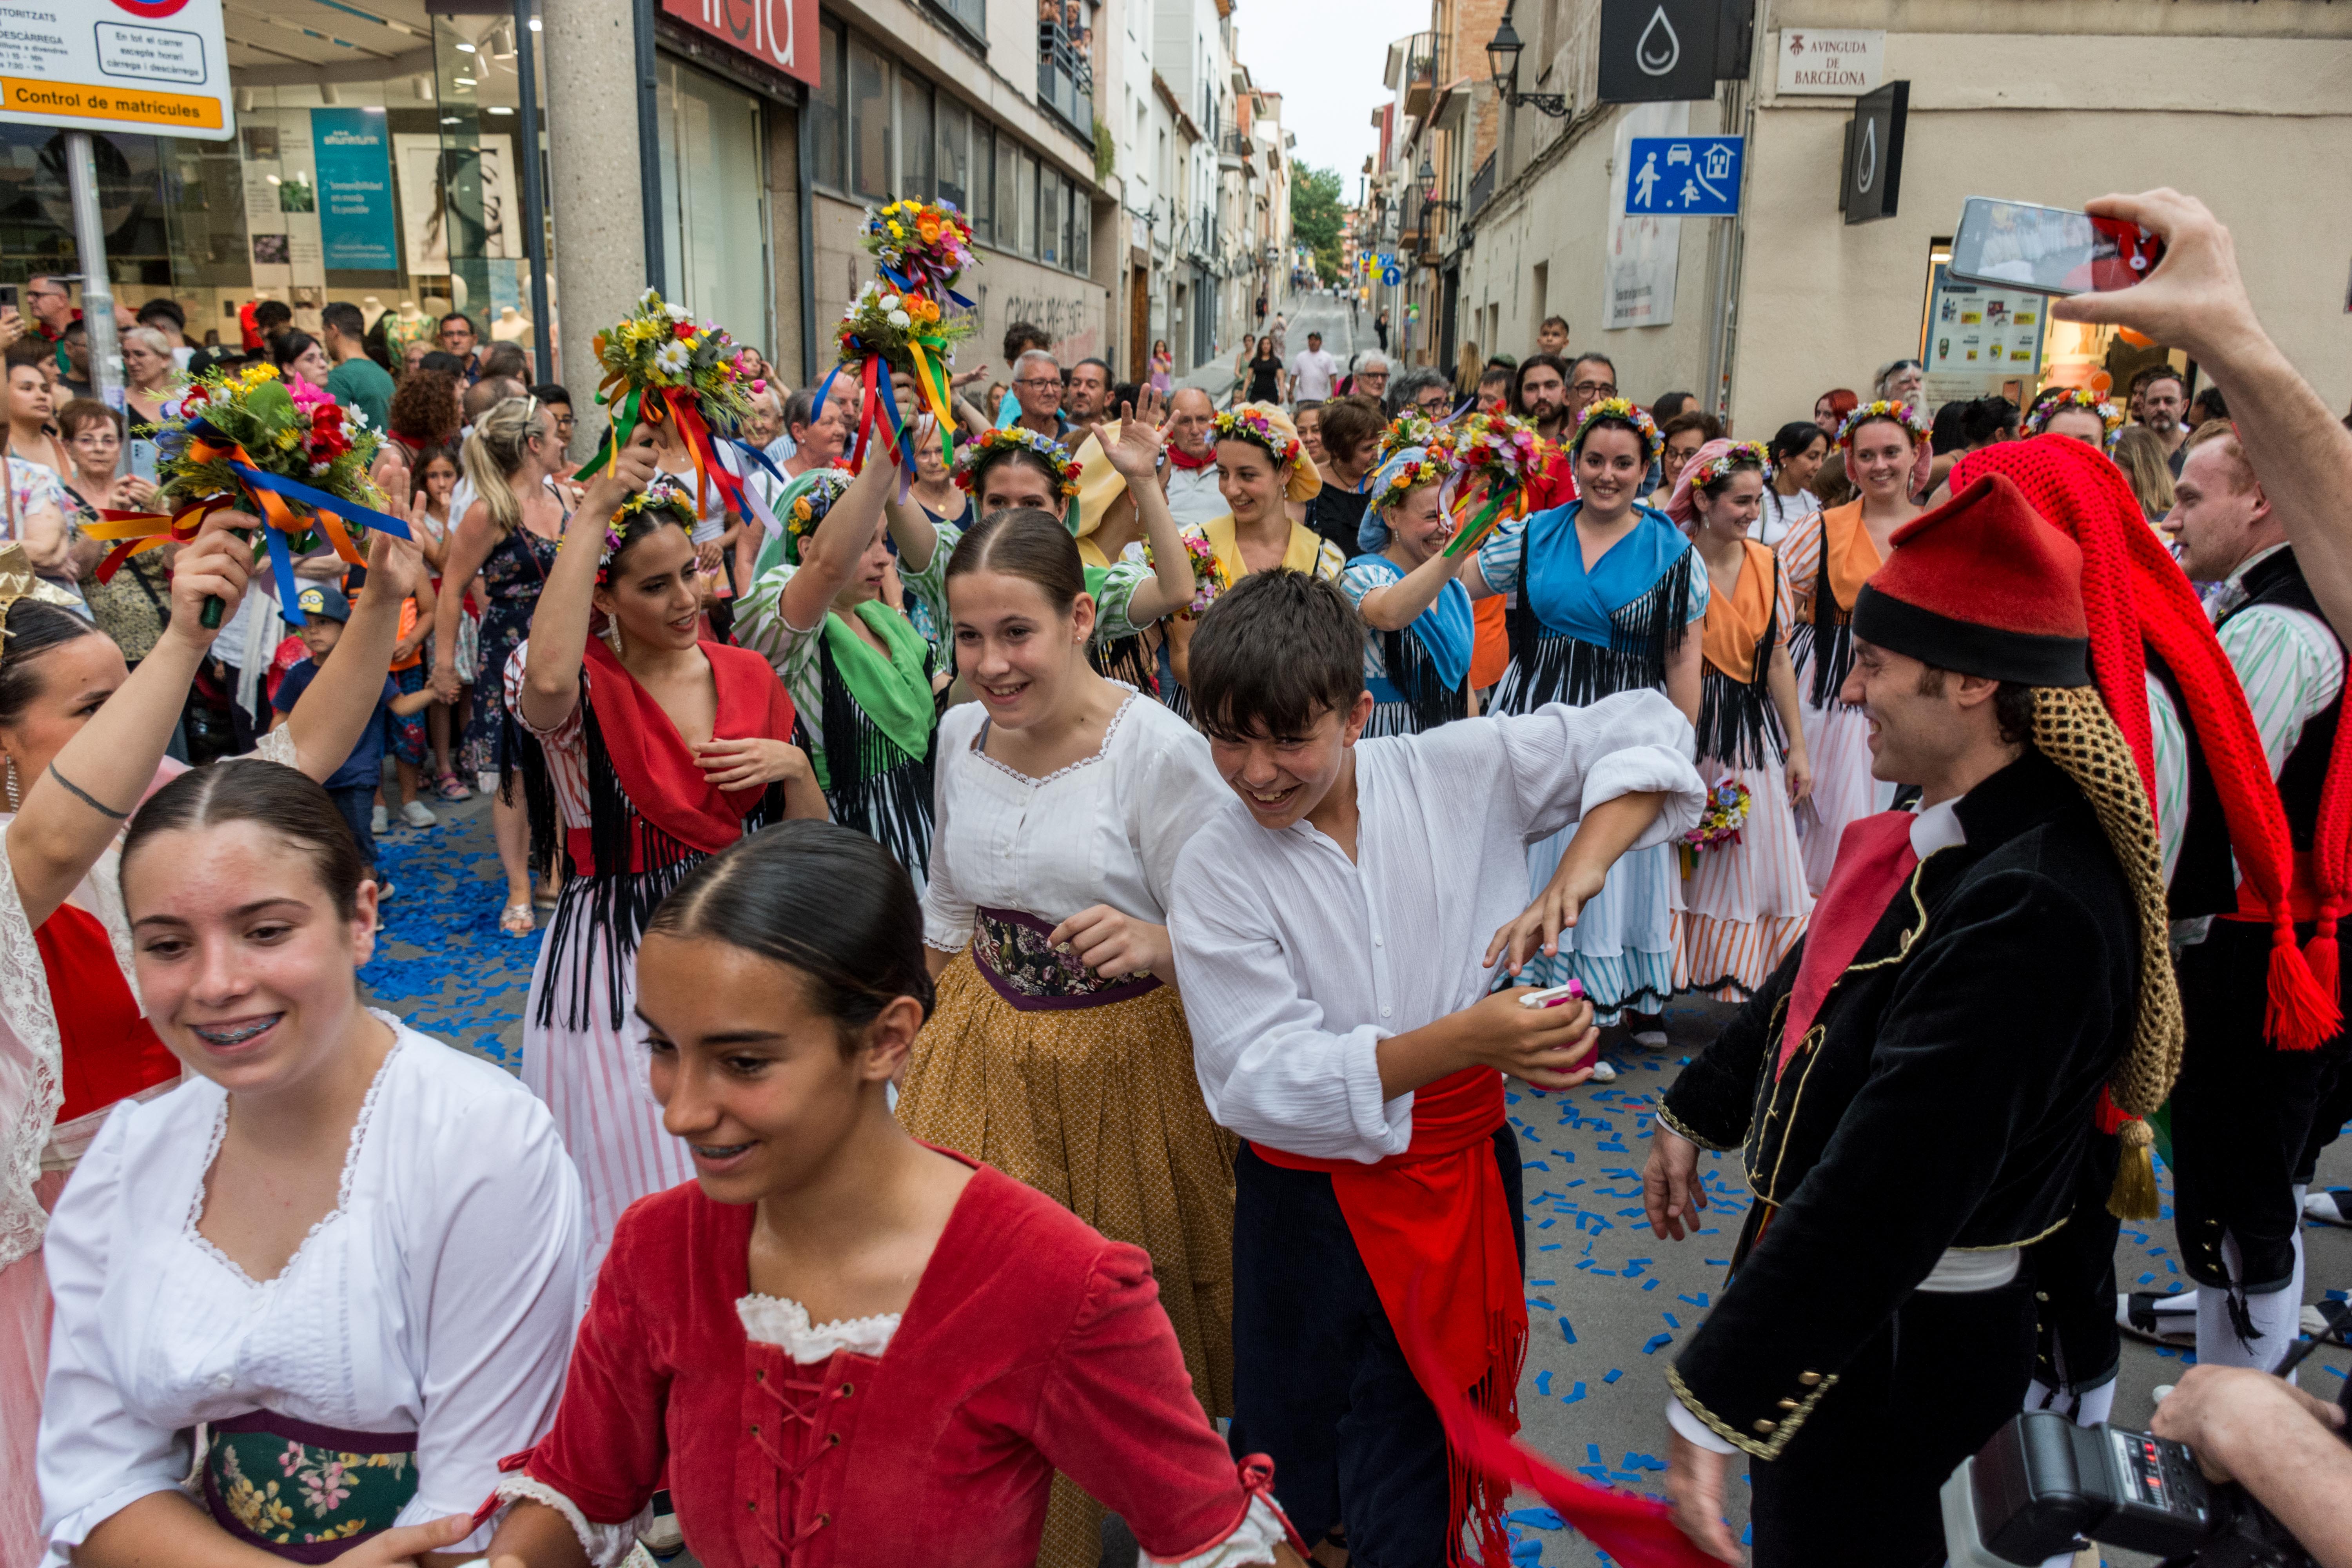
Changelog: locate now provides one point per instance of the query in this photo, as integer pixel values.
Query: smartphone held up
(2049, 251)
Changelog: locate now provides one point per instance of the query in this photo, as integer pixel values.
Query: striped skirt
(1837, 740)
(1744, 904)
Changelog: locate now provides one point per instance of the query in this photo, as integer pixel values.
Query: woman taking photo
(349, 1252)
(509, 535)
(1059, 1053)
(1797, 451)
(649, 749)
(1607, 591)
(836, 1347)
(74, 725)
(860, 676)
(1745, 901)
(1417, 618)
(1828, 556)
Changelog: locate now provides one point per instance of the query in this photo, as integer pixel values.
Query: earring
(13, 804)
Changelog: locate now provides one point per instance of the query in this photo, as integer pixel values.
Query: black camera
(2044, 1486)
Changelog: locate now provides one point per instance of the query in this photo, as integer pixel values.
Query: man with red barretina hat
(2207, 766)
(1915, 1088)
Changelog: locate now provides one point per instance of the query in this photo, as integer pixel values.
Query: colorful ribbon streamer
(275, 496)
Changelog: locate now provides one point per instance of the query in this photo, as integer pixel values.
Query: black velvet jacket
(1943, 1098)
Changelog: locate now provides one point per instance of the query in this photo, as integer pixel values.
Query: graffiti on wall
(1066, 319)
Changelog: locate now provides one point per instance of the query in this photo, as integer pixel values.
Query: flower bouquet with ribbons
(1719, 823)
(1493, 455)
(282, 450)
(1208, 573)
(909, 319)
(663, 367)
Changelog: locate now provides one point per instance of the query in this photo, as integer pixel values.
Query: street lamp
(1503, 62)
(1427, 176)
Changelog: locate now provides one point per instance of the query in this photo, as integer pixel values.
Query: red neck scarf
(1873, 860)
(1185, 460)
(1434, 1232)
(650, 758)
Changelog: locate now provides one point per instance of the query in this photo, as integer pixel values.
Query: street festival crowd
(1044, 893)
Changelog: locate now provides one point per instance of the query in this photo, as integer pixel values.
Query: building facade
(2052, 102)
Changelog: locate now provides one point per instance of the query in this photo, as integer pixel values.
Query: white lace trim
(776, 1321)
(28, 1034)
(342, 1185)
(607, 1545)
(1251, 1543)
(1098, 753)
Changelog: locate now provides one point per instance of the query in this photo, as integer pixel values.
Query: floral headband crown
(1249, 425)
(1406, 470)
(1626, 414)
(1743, 454)
(825, 486)
(1903, 414)
(1409, 430)
(660, 504)
(2054, 402)
(978, 454)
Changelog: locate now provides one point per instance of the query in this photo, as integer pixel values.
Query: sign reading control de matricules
(146, 66)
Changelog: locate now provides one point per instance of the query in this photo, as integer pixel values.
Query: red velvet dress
(1032, 1343)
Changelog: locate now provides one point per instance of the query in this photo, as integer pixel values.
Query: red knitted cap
(1982, 586)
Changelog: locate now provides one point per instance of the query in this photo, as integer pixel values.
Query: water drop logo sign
(1865, 158)
(1660, 48)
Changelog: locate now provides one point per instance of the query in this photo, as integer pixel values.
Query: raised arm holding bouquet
(249, 442)
(907, 321)
(1493, 455)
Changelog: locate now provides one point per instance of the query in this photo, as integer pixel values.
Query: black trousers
(2242, 1113)
(1319, 1381)
(2076, 1342)
(2328, 1122)
(1857, 1484)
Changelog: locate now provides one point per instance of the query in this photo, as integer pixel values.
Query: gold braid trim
(2073, 728)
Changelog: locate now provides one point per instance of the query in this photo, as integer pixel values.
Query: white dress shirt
(1295, 962)
(1193, 496)
(438, 1298)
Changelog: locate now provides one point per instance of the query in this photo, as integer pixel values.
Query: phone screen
(2049, 251)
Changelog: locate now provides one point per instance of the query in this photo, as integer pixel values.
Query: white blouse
(1106, 830)
(438, 1298)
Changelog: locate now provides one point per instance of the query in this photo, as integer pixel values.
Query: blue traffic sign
(1685, 176)
(1391, 274)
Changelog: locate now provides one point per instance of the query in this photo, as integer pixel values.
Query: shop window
(714, 189)
(954, 170)
(869, 122)
(830, 139)
(914, 137)
(1008, 193)
(983, 179)
(1024, 205)
(1082, 230)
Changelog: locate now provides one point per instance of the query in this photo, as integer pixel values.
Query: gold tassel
(2133, 1196)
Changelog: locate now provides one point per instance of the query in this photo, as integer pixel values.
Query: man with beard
(2162, 399)
(1879, 1328)
(1088, 403)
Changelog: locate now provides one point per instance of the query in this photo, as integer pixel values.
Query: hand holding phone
(2049, 251)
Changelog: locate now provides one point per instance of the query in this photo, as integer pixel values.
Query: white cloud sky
(1326, 59)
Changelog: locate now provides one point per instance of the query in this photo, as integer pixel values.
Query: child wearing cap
(352, 786)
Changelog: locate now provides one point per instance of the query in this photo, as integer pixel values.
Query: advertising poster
(1638, 273)
(429, 174)
(1979, 338)
(357, 229)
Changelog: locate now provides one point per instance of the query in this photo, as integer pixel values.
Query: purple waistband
(1011, 950)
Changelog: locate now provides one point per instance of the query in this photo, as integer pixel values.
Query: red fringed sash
(1436, 1216)
(650, 757)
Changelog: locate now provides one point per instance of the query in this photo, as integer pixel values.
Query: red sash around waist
(1436, 1215)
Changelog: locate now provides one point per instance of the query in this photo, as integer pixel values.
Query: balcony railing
(1065, 78)
(1482, 186)
(1420, 74)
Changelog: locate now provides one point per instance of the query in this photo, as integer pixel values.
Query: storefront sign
(1645, 249)
(140, 66)
(779, 33)
(1839, 62)
(1658, 50)
(1973, 330)
(354, 162)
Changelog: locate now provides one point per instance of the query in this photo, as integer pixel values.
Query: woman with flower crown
(1608, 589)
(2079, 412)
(1828, 555)
(1418, 626)
(1745, 902)
(649, 750)
(864, 682)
